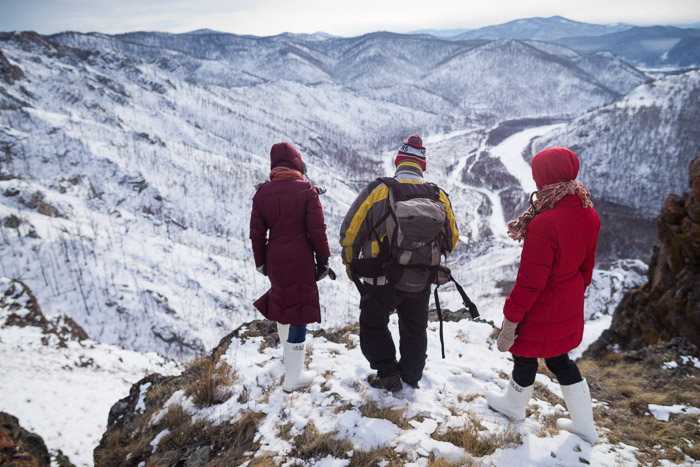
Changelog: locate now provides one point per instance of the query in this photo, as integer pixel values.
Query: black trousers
(376, 303)
(563, 367)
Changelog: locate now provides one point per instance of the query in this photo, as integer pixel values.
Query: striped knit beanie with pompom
(412, 150)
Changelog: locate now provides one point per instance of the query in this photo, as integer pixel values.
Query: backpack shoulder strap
(391, 182)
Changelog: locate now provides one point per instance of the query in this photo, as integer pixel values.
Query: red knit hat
(554, 165)
(412, 150)
(284, 154)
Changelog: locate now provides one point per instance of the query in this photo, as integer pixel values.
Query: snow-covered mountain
(653, 46)
(127, 163)
(648, 134)
(543, 29)
(645, 139)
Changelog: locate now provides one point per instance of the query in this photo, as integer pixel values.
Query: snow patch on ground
(64, 394)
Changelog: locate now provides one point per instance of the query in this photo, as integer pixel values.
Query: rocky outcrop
(668, 304)
(9, 72)
(19, 447)
(19, 307)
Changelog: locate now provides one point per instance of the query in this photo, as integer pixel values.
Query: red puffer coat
(556, 266)
(291, 211)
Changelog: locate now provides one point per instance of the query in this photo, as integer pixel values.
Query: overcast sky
(346, 18)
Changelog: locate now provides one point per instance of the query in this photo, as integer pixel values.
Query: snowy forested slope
(128, 162)
(127, 165)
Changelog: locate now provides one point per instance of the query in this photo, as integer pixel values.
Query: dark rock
(18, 295)
(62, 460)
(668, 304)
(19, 447)
(12, 221)
(48, 209)
(126, 408)
(9, 72)
(199, 458)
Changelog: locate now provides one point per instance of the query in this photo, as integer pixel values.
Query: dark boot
(390, 383)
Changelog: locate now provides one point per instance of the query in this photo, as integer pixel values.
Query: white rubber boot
(513, 402)
(283, 331)
(578, 402)
(295, 377)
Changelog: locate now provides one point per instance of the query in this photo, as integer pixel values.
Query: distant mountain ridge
(544, 29)
(655, 46)
(652, 46)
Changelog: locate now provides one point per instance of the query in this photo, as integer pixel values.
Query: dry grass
(629, 387)
(477, 441)
(284, 430)
(342, 407)
(211, 380)
(343, 335)
(467, 397)
(462, 336)
(549, 425)
(264, 460)
(311, 444)
(396, 416)
(541, 392)
(219, 445)
(442, 462)
(375, 456)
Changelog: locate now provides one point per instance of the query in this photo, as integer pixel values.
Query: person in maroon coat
(289, 209)
(543, 316)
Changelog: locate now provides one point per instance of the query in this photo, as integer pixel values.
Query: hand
(507, 336)
(322, 268)
(262, 269)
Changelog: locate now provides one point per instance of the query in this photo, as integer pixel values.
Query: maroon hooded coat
(556, 266)
(291, 211)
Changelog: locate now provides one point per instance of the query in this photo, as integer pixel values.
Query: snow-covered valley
(127, 165)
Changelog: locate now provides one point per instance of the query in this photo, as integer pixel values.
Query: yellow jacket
(358, 239)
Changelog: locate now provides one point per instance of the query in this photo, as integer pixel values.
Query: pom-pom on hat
(412, 150)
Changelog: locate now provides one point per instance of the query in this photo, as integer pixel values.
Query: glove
(262, 269)
(322, 268)
(507, 336)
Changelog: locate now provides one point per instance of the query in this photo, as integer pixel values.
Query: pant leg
(297, 334)
(524, 370)
(375, 339)
(564, 369)
(413, 323)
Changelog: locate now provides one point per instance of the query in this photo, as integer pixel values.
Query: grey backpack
(414, 227)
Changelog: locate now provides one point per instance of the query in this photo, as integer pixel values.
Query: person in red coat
(543, 316)
(288, 208)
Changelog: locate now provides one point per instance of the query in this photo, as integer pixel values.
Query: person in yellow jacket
(385, 284)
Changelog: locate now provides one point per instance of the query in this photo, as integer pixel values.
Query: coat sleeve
(316, 225)
(258, 234)
(535, 265)
(357, 225)
(451, 234)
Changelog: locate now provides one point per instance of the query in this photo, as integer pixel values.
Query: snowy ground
(450, 392)
(64, 394)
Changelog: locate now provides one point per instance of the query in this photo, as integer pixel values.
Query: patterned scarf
(547, 198)
(284, 173)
